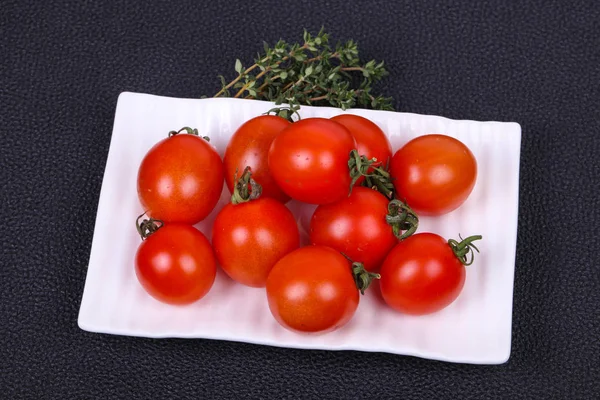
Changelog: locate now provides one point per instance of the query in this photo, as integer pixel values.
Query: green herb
(311, 73)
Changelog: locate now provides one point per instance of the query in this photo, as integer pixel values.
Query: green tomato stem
(148, 226)
(377, 179)
(463, 249)
(189, 131)
(362, 277)
(401, 218)
(245, 188)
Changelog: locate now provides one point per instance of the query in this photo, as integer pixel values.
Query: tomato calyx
(464, 248)
(148, 226)
(246, 188)
(189, 131)
(401, 218)
(379, 179)
(285, 112)
(362, 277)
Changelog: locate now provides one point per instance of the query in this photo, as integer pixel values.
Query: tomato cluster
(363, 229)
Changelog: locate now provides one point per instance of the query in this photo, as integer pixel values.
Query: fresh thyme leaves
(312, 73)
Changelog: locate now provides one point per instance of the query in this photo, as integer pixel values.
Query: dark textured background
(62, 66)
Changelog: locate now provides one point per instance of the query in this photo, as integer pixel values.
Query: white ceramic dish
(476, 328)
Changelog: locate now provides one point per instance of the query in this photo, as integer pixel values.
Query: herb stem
(236, 80)
(352, 69)
(262, 73)
(318, 98)
(264, 85)
(289, 85)
(319, 58)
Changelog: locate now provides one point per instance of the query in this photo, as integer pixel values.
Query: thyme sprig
(311, 73)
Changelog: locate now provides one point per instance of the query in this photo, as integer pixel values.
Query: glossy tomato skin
(180, 179)
(355, 226)
(421, 275)
(309, 160)
(176, 264)
(249, 238)
(312, 290)
(434, 174)
(249, 147)
(371, 141)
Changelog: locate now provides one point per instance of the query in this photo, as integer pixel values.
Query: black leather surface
(62, 66)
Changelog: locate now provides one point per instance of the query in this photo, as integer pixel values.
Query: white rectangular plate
(476, 328)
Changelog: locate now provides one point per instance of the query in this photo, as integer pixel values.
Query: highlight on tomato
(249, 147)
(425, 273)
(315, 289)
(434, 174)
(180, 179)
(174, 263)
(252, 233)
(364, 226)
(309, 160)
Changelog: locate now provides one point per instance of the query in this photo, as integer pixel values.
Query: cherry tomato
(434, 174)
(249, 146)
(176, 264)
(309, 160)
(372, 142)
(355, 226)
(180, 179)
(249, 238)
(312, 290)
(422, 274)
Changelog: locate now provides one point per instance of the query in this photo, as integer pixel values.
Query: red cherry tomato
(355, 226)
(309, 160)
(176, 264)
(249, 238)
(372, 142)
(180, 179)
(422, 274)
(434, 174)
(312, 290)
(249, 146)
